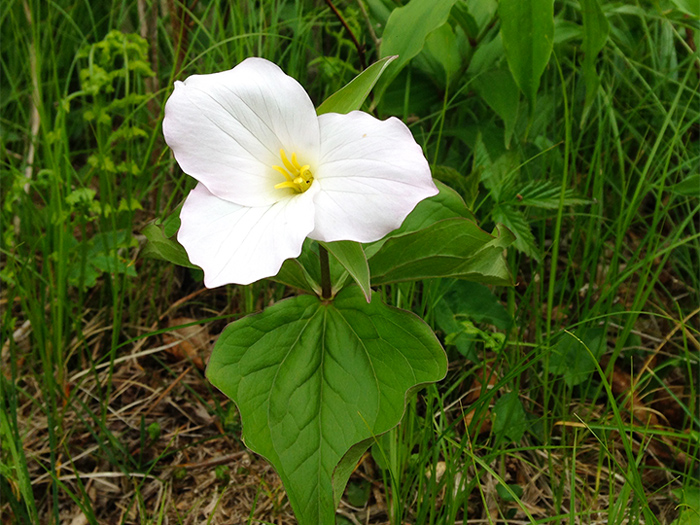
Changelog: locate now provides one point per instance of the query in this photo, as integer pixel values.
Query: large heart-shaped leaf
(315, 380)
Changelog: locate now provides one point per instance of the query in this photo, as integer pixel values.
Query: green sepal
(352, 257)
(159, 246)
(293, 274)
(351, 96)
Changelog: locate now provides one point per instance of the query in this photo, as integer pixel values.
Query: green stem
(325, 273)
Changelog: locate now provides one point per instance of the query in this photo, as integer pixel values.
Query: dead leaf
(191, 342)
(620, 383)
(487, 376)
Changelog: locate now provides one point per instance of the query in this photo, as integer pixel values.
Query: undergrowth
(571, 397)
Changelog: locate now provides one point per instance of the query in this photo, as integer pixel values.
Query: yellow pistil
(297, 177)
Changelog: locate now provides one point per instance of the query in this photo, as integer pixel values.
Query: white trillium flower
(271, 172)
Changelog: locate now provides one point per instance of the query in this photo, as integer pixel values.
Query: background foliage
(572, 395)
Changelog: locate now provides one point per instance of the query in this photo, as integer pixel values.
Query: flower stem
(325, 273)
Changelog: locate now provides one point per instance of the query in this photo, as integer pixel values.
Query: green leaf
(501, 93)
(477, 303)
(351, 96)
(546, 195)
(516, 222)
(351, 255)
(486, 55)
(595, 34)
(313, 379)
(454, 247)
(406, 31)
(460, 14)
(527, 29)
(509, 492)
(497, 175)
(463, 304)
(160, 247)
(358, 493)
(689, 7)
(571, 360)
(171, 224)
(689, 186)
(293, 274)
(689, 507)
(442, 46)
(510, 420)
(445, 205)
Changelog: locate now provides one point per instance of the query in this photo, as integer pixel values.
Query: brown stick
(360, 48)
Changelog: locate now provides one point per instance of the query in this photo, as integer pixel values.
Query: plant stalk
(325, 273)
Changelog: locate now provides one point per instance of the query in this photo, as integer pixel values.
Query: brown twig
(167, 391)
(221, 460)
(360, 48)
(180, 20)
(649, 360)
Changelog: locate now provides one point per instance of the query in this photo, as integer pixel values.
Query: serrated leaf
(509, 492)
(546, 195)
(351, 96)
(312, 379)
(454, 247)
(515, 221)
(498, 176)
(527, 29)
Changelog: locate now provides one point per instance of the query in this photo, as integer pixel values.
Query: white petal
(371, 173)
(238, 244)
(226, 129)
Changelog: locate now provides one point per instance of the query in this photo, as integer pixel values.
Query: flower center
(297, 177)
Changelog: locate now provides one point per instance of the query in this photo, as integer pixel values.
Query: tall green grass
(607, 214)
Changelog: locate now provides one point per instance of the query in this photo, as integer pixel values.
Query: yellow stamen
(286, 162)
(295, 161)
(286, 184)
(298, 177)
(283, 172)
